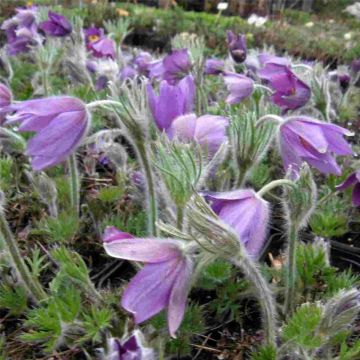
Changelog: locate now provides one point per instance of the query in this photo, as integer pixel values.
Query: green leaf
(265, 353)
(14, 299)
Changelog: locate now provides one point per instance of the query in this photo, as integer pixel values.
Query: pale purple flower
(5, 101)
(208, 130)
(214, 67)
(60, 123)
(130, 348)
(303, 139)
(246, 212)
(290, 92)
(352, 180)
(57, 25)
(355, 65)
(103, 48)
(172, 101)
(265, 58)
(176, 65)
(101, 82)
(240, 87)
(237, 46)
(164, 282)
(143, 63)
(127, 72)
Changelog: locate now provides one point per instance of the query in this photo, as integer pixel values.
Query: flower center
(93, 38)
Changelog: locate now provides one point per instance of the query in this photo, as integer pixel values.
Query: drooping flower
(246, 212)
(172, 101)
(207, 130)
(265, 58)
(164, 282)
(60, 123)
(237, 46)
(214, 67)
(352, 180)
(303, 139)
(240, 87)
(130, 348)
(57, 25)
(143, 63)
(176, 65)
(290, 92)
(5, 101)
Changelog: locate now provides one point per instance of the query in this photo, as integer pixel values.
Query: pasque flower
(352, 180)
(98, 44)
(290, 92)
(176, 65)
(237, 46)
(240, 87)
(57, 25)
(172, 101)
(303, 139)
(5, 100)
(246, 212)
(164, 282)
(214, 67)
(207, 130)
(60, 123)
(130, 348)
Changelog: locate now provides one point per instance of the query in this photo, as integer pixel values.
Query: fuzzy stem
(241, 177)
(100, 103)
(31, 284)
(291, 271)
(263, 295)
(273, 184)
(303, 66)
(263, 87)
(179, 217)
(75, 184)
(270, 117)
(144, 159)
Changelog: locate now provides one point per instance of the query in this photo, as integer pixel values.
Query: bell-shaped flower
(352, 180)
(5, 101)
(239, 86)
(93, 34)
(244, 211)
(290, 92)
(176, 65)
(303, 139)
(130, 348)
(237, 46)
(172, 101)
(208, 130)
(143, 62)
(57, 25)
(60, 123)
(265, 58)
(164, 282)
(214, 66)
(103, 48)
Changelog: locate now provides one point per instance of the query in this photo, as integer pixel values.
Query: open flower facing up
(246, 212)
(290, 92)
(176, 65)
(5, 101)
(130, 348)
(60, 123)
(172, 101)
(164, 282)
(98, 44)
(214, 67)
(240, 87)
(237, 46)
(207, 130)
(303, 139)
(352, 180)
(57, 25)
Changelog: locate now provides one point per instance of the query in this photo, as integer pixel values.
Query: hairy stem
(31, 284)
(179, 217)
(263, 295)
(291, 272)
(74, 184)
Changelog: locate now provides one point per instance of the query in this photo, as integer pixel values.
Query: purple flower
(344, 81)
(214, 67)
(127, 72)
(93, 34)
(143, 63)
(103, 48)
(5, 101)
(355, 65)
(265, 58)
(240, 87)
(173, 101)
(57, 25)
(353, 179)
(207, 130)
(176, 65)
(290, 92)
(244, 211)
(237, 46)
(164, 282)
(306, 139)
(130, 348)
(101, 82)
(60, 123)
